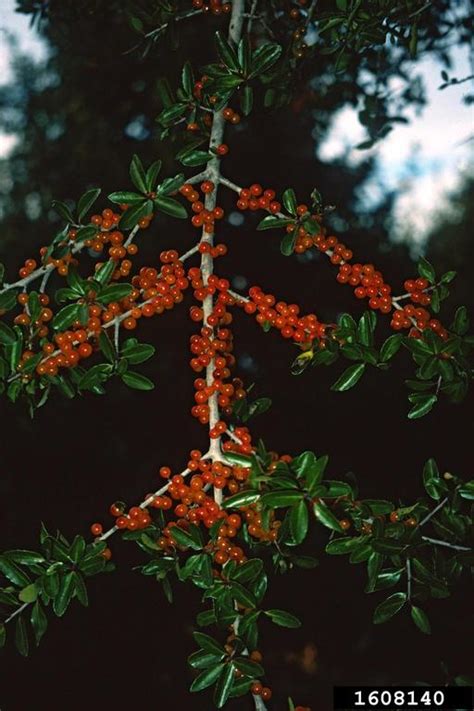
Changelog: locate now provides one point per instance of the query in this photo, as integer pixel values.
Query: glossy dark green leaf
(247, 571)
(207, 677)
(282, 498)
(209, 644)
(270, 222)
(299, 521)
(21, 636)
(224, 685)
(242, 595)
(265, 57)
(282, 618)
(152, 175)
(326, 517)
(390, 347)
(460, 324)
(226, 52)
(349, 378)
(248, 667)
(133, 214)
(13, 572)
(137, 353)
(3, 634)
(420, 618)
(7, 334)
(389, 607)
(423, 405)
(343, 546)
(86, 201)
(137, 381)
(39, 621)
(242, 498)
(137, 174)
(183, 538)
(426, 270)
(126, 197)
(246, 100)
(63, 210)
(170, 207)
(114, 292)
(8, 299)
(64, 594)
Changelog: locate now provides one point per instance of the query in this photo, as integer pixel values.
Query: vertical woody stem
(213, 173)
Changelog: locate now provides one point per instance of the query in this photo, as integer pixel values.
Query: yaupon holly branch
(237, 511)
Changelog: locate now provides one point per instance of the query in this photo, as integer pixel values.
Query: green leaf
(152, 175)
(299, 521)
(366, 328)
(84, 233)
(185, 539)
(193, 158)
(289, 201)
(7, 335)
(104, 273)
(66, 316)
(171, 185)
(172, 113)
(390, 347)
(11, 571)
(125, 197)
(244, 54)
(423, 404)
(133, 214)
(63, 210)
(282, 618)
(170, 207)
(226, 52)
(224, 685)
(326, 517)
(242, 498)
(21, 636)
(247, 571)
(431, 479)
(342, 546)
(265, 57)
(426, 270)
(81, 590)
(246, 100)
(420, 618)
(287, 243)
(249, 667)
(242, 595)
(187, 80)
(39, 621)
(389, 607)
(460, 325)
(206, 678)
(29, 593)
(86, 201)
(114, 292)
(270, 222)
(209, 644)
(137, 174)
(281, 498)
(8, 300)
(3, 634)
(137, 353)
(65, 594)
(107, 347)
(349, 378)
(467, 490)
(137, 381)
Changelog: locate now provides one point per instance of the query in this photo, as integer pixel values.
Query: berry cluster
(285, 317)
(256, 198)
(214, 7)
(202, 217)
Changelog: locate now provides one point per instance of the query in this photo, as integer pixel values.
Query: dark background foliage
(79, 118)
